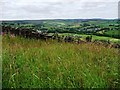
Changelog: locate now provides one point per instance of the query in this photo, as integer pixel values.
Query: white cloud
(42, 9)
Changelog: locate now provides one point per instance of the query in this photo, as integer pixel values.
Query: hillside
(99, 27)
(30, 63)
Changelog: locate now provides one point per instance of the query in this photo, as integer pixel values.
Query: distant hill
(102, 27)
(55, 20)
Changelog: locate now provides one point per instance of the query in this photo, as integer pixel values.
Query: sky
(58, 9)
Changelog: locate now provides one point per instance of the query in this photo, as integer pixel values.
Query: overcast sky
(58, 9)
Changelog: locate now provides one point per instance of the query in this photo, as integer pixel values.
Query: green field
(29, 63)
(94, 37)
(113, 32)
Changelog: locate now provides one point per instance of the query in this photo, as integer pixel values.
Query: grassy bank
(36, 64)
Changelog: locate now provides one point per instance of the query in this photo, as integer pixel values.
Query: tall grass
(0, 62)
(29, 63)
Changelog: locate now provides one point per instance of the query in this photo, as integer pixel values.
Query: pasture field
(29, 63)
(113, 32)
(94, 37)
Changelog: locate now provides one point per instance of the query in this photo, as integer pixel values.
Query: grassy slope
(31, 63)
(113, 32)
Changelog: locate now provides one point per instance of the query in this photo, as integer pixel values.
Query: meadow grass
(0, 62)
(29, 63)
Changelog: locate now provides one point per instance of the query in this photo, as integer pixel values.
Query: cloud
(42, 9)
